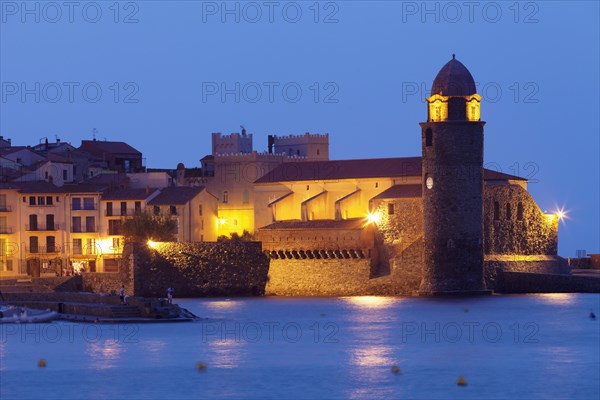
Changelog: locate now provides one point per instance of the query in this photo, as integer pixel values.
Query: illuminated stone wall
(514, 233)
(200, 269)
(399, 238)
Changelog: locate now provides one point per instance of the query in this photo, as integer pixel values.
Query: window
(138, 207)
(64, 175)
(50, 244)
(307, 187)
(3, 226)
(520, 211)
(90, 246)
(49, 222)
(200, 210)
(496, 211)
(318, 152)
(88, 203)
(41, 200)
(508, 211)
(76, 224)
(109, 209)
(390, 208)
(246, 197)
(114, 227)
(76, 203)
(33, 225)
(376, 184)
(90, 224)
(3, 206)
(173, 210)
(225, 197)
(111, 265)
(297, 152)
(156, 210)
(2, 247)
(428, 137)
(48, 200)
(123, 208)
(46, 175)
(77, 250)
(116, 243)
(33, 244)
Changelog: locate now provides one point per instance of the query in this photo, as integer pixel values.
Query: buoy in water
(461, 381)
(41, 363)
(201, 366)
(395, 370)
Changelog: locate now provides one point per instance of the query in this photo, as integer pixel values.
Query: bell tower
(452, 179)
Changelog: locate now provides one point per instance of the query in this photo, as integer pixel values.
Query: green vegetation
(144, 227)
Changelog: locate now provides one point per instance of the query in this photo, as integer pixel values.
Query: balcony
(85, 207)
(123, 213)
(43, 249)
(6, 230)
(84, 229)
(114, 232)
(6, 208)
(39, 228)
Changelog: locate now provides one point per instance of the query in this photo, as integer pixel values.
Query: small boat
(23, 315)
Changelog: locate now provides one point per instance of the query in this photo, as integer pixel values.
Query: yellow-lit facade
(322, 200)
(61, 232)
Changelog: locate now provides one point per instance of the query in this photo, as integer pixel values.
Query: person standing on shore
(170, 295)
(122, 294)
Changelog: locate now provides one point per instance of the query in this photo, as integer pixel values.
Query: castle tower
(452, 173)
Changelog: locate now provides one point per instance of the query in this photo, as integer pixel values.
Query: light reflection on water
(225, 353)
(557, 298)
(540, 346)
(105, 354)
(372, 302)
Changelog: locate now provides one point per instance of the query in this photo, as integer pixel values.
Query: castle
(434, 224)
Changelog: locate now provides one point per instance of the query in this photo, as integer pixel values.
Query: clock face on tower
(429, 183)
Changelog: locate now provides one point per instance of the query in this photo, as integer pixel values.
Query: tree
(235, 237)
(144, 227)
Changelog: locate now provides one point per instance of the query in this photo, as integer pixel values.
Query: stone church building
(435, 224)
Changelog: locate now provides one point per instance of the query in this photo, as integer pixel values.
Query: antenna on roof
(94, 133)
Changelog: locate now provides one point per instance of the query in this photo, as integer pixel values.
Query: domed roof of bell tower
(454, 79)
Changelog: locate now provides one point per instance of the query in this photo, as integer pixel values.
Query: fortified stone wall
(338, 277)
(514, 224)
(518, 282)
(399, 237)
(200, 269)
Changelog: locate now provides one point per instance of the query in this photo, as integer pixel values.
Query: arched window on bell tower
(428, 137)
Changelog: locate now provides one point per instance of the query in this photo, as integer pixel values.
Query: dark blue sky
(363, 68)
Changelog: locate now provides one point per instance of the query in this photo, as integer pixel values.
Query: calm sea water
(519, 347)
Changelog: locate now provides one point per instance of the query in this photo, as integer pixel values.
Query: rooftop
(98, 146)
(175, 195)
(354, 223)
(454, 79)
(357, 169)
